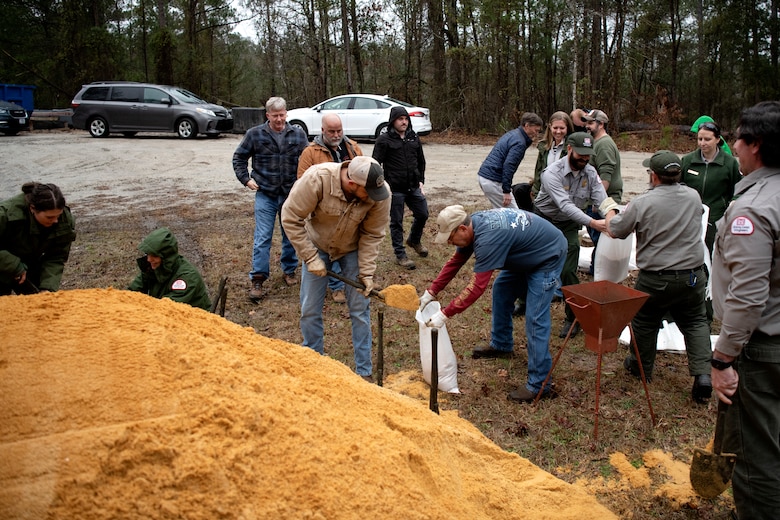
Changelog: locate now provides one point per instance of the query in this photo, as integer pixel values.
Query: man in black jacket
(400, 153)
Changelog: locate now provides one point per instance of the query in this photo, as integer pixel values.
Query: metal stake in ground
(380, 347)
(434, 401)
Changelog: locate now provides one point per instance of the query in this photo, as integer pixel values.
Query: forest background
(477, 64)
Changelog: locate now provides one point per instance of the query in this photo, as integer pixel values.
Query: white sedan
(362, 115)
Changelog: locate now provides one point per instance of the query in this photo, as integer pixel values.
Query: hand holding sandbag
(425, 299)
(437, 321)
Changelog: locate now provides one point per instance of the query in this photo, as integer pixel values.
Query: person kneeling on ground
(167, 274)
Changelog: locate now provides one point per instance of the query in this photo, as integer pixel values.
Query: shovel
(399, 297)
(711, 471)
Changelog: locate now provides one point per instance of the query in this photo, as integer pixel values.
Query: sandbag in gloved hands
(368, 281)
(425, 299)
(437, 321)
(316, 266)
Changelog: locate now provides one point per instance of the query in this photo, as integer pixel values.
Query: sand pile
(117, 405)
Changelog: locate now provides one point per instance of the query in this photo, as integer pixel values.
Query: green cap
(664, 162)
(702, 119)
(581, 142)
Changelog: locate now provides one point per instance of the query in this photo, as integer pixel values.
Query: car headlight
(4, 111)
(206, 111)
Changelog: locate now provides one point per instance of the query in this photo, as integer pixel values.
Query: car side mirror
(165, 101)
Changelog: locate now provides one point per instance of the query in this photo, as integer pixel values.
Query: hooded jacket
(176, 278)
(318, 152)
(401, 158)
(27, 246)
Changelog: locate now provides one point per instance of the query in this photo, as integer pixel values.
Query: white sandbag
(612, 258)
(447, 362)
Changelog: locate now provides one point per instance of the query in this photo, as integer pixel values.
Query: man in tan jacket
(338, 211)
(330, 146)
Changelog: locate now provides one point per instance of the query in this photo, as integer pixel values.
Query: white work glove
(437, 321)
(608, 205)
(368, 281)
(315, 265)
(425, 299)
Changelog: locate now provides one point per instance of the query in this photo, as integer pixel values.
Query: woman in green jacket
(36, 231)
(552, 147)
(713, 173)
(167, 274)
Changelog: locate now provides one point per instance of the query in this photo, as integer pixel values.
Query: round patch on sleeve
(741, 226)
(179, 285)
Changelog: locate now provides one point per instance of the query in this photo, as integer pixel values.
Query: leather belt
(675, 272)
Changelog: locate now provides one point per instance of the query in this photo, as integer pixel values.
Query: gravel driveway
(103, 177)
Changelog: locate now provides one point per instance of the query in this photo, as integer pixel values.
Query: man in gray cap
(606, 160)
(568, 186)
(338, 211)
(670, 256)
(529, 253)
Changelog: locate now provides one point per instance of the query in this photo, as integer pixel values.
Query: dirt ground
(120, 189)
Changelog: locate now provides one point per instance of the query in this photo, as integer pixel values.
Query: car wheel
(129, 134)
(98, 127)
(300, 125)
(186, 128)
(381, 129)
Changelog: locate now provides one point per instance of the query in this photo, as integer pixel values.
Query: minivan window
(185, 96)
(126, 94)
(155, 95)
(95, 94)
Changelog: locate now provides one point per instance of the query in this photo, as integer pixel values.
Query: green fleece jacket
(27, 246)
(714, 180)
(176, 278)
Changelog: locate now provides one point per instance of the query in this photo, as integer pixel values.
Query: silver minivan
(128, 107)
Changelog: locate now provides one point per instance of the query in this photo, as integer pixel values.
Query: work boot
(290, 279)
(418, 248)
(339, 296)
(565, 329)
(368, 379)
(404, 261)
(256, 292)
(524, 395)
(702, 388)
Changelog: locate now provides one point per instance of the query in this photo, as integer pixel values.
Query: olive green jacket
(714, 181)
(176, 278)
(27, 246)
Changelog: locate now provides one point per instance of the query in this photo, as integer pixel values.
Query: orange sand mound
(117, 405)
(401, 296)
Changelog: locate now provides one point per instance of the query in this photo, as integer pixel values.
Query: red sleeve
(469, 294)
(448, 272)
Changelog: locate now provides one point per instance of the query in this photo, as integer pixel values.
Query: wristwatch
(719, 364)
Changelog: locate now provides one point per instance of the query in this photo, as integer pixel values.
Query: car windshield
(185, 96)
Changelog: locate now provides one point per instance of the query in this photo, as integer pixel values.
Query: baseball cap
(664, 162)
(449, 218)
(581, 142)
(365, 171)
(596, 115)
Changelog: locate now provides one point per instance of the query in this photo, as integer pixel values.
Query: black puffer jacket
(401, 157)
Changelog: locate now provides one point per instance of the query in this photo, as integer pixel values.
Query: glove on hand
(437, 321)
(315, 265)
(368, 281)
(425, 299)
(608, 205)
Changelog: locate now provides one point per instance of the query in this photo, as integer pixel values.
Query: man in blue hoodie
(499, 167)
(400, 153)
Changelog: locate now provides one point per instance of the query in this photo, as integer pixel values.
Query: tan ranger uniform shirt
(746, 262)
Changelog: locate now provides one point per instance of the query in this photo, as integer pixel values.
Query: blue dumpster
(19, 94)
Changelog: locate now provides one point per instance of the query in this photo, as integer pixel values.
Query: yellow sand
(401, 296)
(117, 405)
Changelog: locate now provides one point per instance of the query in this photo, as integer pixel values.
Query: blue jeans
(267, 212)
(419, 206)
(313, 289)
(538, 287)
(334, 284)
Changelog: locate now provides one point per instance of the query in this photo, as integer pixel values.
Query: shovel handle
(717, 442)
(356, 285)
